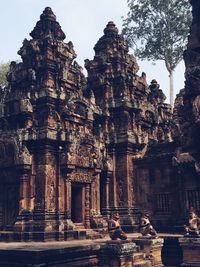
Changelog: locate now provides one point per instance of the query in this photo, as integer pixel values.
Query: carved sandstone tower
(187, 118)
(46, 129)
(133, 115)
(191, 95)
(70, 146)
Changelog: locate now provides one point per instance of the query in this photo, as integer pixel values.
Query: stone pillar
(124, 174)
(40, 177)
(24, 192)
(190, 247)
(93, 192)
(22, 222)
(87, 206)
(152, 249)
(107, 200)
(105, 205)
(32, 191)
(113, 190)
(117, 253)
(24, 178)
(46, 193)
(124, 189)
(68, 192)
(97, 191)
(67, 203)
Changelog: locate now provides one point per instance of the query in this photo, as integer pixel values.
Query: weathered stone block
(152, 249)
(117, 253)
(191, 251)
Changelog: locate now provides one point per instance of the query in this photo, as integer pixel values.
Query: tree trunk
(171, 88)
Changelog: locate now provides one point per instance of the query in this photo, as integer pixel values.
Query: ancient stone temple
(171, 188)
(133, 116)
(50, 159)
(68, 143)
(76, 149)
(188, 118)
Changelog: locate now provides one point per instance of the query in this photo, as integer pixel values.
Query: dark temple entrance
(9, 205)
(77, 203)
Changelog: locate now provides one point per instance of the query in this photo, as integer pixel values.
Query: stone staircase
(139, 260)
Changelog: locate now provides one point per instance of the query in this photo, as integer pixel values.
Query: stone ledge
(189, 241)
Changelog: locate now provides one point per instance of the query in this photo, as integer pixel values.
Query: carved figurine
(114, 228)
(193, 224)
(146, 229)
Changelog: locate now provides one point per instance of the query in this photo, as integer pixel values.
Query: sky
(83, 22)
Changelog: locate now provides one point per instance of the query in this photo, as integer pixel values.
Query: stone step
(91, 234)
(75, 234)
(137, 249)
(79, 226)
(138, 256)
(9, 236)
(142, 263)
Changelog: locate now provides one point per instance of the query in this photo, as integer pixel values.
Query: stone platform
(10, 236)
(74, 253)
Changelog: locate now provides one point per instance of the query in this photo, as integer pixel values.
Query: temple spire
(110, 28)
(47, 26)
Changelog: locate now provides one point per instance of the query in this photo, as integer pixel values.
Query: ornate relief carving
(51, 196)
(82, 176)
(120, 192)
(24, 156)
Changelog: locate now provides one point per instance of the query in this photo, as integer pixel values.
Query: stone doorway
(78, 203)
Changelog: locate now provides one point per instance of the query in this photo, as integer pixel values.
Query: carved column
(24, 192)
(40, 178)
(93, 198)
(67, 174)
(124, 174)
(68, 189)
(114, 183)
(87, 206)
(24, 178)
(107, 192)
(95, 191)
(32, 192)
(22, 222)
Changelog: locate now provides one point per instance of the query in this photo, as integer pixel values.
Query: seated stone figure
(193, 224)
(114, 228)
(146, 229)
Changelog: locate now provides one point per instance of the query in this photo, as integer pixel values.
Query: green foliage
(4, 68)
(158, 29)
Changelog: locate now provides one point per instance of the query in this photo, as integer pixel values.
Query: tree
(158, 30)
(4, 68)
